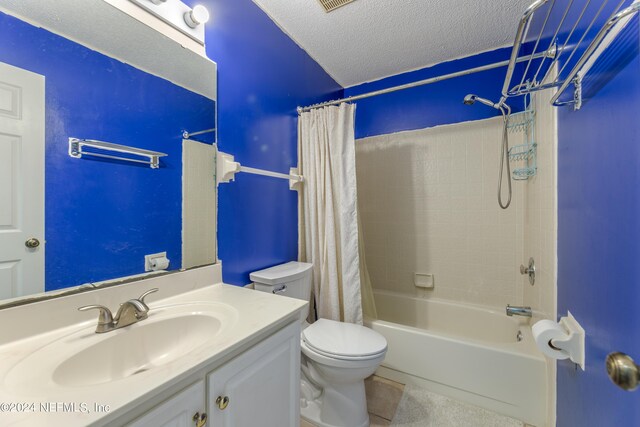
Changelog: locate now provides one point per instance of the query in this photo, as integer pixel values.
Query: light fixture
(196, 16)
(181, 16)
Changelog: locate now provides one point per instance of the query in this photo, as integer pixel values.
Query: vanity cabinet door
(261, 387)
(179, 411)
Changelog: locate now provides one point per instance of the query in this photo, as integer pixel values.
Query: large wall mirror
(67, 221)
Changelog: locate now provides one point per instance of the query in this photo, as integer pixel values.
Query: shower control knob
(530, 271)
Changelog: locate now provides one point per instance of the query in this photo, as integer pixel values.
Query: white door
(261, 387)
(182, 410)
(21, 182)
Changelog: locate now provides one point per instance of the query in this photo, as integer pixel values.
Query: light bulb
(196, 16)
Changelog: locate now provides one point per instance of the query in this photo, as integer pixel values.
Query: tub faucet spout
(518, 311)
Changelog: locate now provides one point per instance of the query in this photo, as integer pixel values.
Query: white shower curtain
(328, 220)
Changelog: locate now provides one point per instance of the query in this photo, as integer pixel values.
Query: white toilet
(336, 357)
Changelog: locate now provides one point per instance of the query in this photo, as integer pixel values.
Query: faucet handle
(105, 318)
(530, 271)
(143, 296)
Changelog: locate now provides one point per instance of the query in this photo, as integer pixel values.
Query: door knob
(200, 420)
(32, 243)
(222, 402)
(623, 371)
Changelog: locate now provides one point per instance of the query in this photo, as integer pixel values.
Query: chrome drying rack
(538, 76)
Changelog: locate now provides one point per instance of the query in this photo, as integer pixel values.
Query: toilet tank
(292, 279)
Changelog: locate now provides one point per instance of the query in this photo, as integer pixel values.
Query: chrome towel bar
(77, 150)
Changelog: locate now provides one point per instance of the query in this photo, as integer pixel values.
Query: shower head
(471, 99)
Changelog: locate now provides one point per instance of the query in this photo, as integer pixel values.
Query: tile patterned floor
(392, 404)
(304, 423)
(421, 408)
(383, 397)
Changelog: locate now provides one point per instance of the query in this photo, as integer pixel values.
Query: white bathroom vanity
(208, 354)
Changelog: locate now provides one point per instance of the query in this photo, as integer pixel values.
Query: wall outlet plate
(148, 258)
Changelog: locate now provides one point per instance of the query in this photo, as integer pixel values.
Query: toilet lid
(343, 339)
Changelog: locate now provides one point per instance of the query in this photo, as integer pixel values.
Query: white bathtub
(467, 352)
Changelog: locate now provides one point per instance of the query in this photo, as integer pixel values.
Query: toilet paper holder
(573, 344)
(156, 262)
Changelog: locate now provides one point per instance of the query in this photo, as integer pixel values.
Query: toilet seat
(334, 362)
(343, 341)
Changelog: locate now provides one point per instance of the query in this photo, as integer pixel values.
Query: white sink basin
(83, 358)
(144, 347)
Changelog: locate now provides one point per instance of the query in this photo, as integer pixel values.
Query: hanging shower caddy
(524, 156)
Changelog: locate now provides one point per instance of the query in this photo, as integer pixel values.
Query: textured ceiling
(370, 39)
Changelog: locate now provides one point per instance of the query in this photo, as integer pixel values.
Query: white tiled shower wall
(540, 232)
(428, 204)
(541, 229)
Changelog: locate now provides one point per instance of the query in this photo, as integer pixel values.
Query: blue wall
(262, 77)
(434, 104)
(102, 217)
(599, 248)
(599, 238)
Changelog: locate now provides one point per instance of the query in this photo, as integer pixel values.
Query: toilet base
(311, 413)
(334, 396)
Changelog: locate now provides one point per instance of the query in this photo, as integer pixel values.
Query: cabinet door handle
(222, 402)
(200, 419)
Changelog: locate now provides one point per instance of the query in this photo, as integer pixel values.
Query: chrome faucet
(129, 313)
(518, 311)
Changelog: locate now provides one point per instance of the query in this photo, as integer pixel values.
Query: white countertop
(253, 316)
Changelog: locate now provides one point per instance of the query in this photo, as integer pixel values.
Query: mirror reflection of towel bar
(263, 172)
(77, 145)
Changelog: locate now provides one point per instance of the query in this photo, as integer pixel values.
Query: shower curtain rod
(551, 53)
